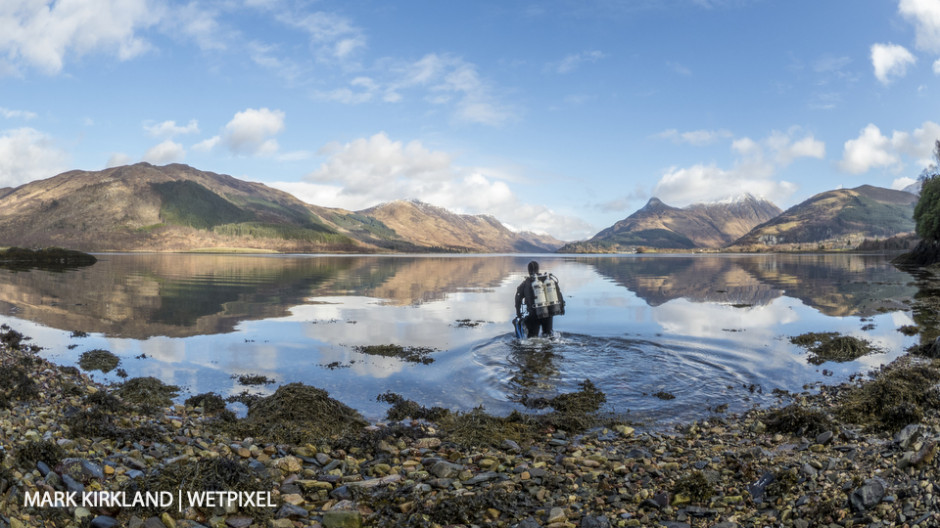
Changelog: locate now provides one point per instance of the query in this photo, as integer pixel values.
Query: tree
(927, 211)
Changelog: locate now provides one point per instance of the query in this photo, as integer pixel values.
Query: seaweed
(696, 486)
(16, 385)
(253, 379)
(98, 359)
(830, 346)
(35, 451)
(210, 402)
(205, 474)
(897, 396)
(797, 420)
(402, 408)
(409, 354)
(148, 392)
(299, 413)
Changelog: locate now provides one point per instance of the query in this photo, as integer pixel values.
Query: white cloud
(334, 36)
(117, 159)
(694, 137)
(872, 149)
(573, 61)
(936, 67)
(902, 183)
(753, 171)
(207, 145)
(43, 33)
(170, 128)
(165, 152)
(708, 183)
(26, 155)
(17, 114)
(443, 79)
(199, 23)
(369, 171)
(890, 61)
(925, 15)
(250, 132)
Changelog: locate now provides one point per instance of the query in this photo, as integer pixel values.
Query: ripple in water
(647, 381)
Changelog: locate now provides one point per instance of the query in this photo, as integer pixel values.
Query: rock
(239, 522)
(868, 494)
(103, 521)
(443, 469)
(342, 519)
(758, 488)
(528, 522)
(556, 515)
(512, 446)
(153, 522)
(486, 476)
(81, 514)
(80, 469)
(594, 521)
(824, 438)
(289, 464)
(907, 436)
(290, 511)
(168, 521)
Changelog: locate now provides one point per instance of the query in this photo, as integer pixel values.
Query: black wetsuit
(525, 293)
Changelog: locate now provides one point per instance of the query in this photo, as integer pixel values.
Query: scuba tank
(551, 296)
(545, 293)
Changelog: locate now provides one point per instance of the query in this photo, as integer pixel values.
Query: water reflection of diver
(543, 301)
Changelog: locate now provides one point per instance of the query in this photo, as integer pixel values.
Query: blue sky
(560, 117)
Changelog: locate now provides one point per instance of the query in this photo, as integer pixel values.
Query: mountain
(657, 225)
(175, 207)
(839, 219)
(435, 228)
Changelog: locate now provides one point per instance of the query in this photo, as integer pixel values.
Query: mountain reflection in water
(708, 330)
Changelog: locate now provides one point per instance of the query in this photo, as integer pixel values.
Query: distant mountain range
(660, 226)
(839, 219)
(175, 207)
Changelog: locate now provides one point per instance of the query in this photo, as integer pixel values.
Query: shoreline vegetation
(858, 454)
(862, 453)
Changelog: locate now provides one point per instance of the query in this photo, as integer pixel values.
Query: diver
(543, 301)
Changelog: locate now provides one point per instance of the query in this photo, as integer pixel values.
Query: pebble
(622, 476)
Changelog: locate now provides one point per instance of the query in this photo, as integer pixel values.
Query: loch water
(667, 337)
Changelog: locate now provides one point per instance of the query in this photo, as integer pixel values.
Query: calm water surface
(709, 330)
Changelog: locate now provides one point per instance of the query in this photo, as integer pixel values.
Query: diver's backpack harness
(546, 296)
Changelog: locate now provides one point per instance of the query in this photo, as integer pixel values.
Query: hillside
(435, 228)
(839, 219)
(660, 226)
(175, 207)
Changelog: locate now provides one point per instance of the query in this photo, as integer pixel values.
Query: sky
(560, 117)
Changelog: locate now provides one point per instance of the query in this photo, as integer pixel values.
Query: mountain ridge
(175, 207)
(661, 226)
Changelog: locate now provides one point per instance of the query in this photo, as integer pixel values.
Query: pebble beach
(76, 453)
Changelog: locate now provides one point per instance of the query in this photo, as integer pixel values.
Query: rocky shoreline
(77, 453)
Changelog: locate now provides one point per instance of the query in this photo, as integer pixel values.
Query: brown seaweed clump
(210, 402)
(695, 486)
(798, 420)
(98, 359)
(897, 396)
(830, 346)
(410, 354)
(16, 385)
(205, 474)
(45, 451)
(148, 392)
(301, 412)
